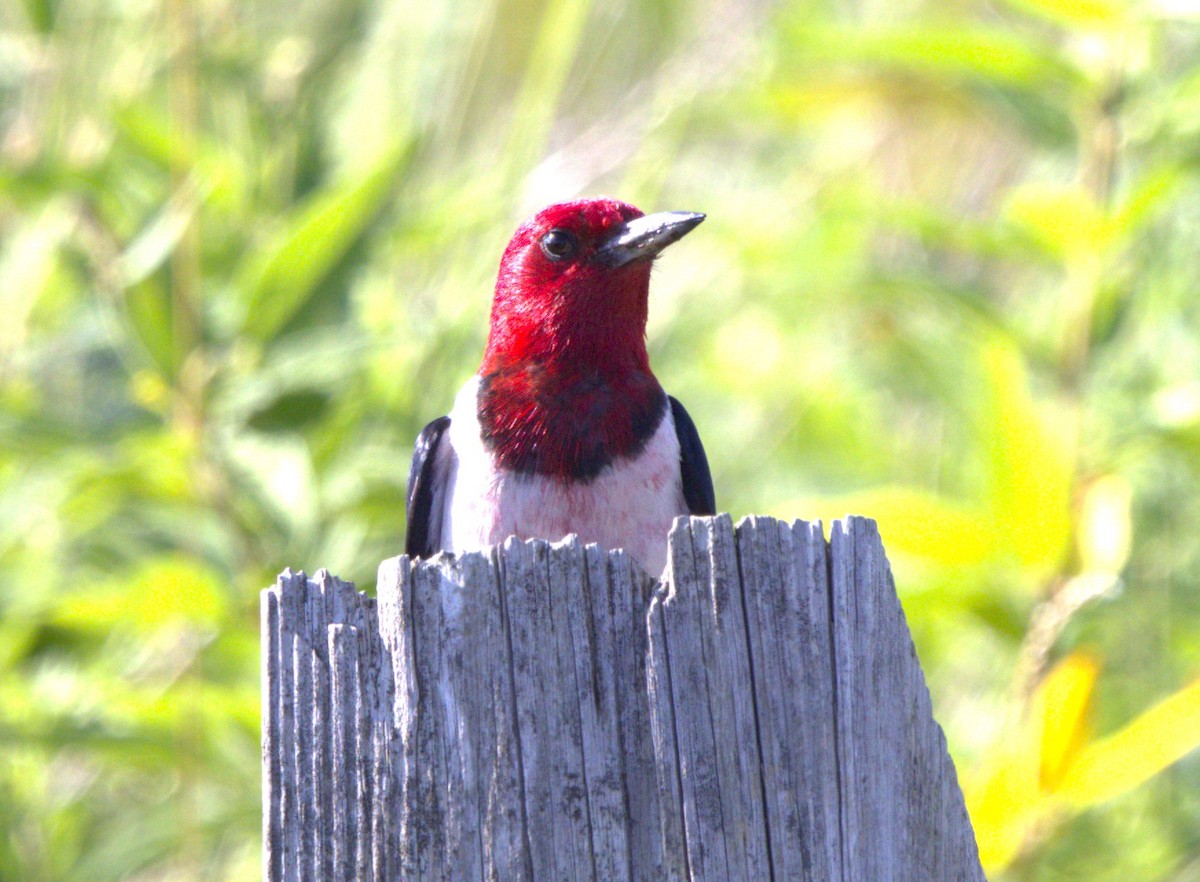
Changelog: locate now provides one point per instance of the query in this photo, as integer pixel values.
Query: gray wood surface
(551, 713)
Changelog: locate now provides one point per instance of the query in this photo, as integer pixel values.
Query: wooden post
(550, 713)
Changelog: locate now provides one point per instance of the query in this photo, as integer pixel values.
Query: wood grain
(548, 712)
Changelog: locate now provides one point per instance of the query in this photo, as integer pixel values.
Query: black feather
(424, 523)
(697, 479)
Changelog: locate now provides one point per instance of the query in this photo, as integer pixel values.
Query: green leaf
(41, 14)
(278, 280)
(1065, 221)
(154, 244)
(291, 411)
(148, 311)
(1075, 12)
(992, 56)
(165, 591)
(214, 168)
(29, 261)
(944, 66)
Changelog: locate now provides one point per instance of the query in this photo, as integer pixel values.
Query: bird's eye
(558, 244)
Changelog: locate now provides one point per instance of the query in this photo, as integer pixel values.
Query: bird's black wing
(697, 479)
(424, 530)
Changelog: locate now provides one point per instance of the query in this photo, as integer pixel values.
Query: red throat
(566, 385)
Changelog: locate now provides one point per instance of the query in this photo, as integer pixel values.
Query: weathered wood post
(549, 713)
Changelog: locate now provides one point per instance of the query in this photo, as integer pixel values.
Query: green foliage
(948, 280)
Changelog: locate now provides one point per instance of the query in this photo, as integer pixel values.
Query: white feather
(630, 505)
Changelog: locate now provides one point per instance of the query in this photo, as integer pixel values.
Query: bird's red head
(568, 327)
(574, 282)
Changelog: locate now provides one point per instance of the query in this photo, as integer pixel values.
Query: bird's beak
(646, 236)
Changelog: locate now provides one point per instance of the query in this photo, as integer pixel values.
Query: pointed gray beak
(646, 236)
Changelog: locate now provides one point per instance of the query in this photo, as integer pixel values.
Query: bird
(564, 428)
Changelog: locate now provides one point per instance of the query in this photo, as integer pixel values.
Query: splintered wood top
(548, 712)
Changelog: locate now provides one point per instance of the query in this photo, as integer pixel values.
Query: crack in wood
(546, 712)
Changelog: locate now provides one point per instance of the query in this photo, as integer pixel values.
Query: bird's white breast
(630, 505)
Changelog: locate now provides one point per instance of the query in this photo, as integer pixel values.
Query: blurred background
(948, 280)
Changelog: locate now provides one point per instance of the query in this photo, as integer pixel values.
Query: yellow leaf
(165, 591)
(1005, 804)
(1031, 466)
(1010, 798)
(1123, 760)
(912, 522)
(1061, 705)
(1065, 221)
(1076, 12)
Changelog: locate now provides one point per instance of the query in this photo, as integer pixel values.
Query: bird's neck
(567, 401)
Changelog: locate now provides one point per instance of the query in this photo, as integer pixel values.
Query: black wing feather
(424, 523)
(697, 479)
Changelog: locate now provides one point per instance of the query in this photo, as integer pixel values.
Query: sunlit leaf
(163, 592)
(992, 55)
(277, 280)
(1118, 763)
(1031, 466)
(1061, 705)
(1151, 195)
(1066, 220)
(148, 130)
(28, 261)
(912, 522)
(1005, 804)
(1051, 766)
(1076, 12)
(1010, 797)
(154, 244)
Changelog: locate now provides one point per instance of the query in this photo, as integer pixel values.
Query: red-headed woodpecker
(565, 429)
